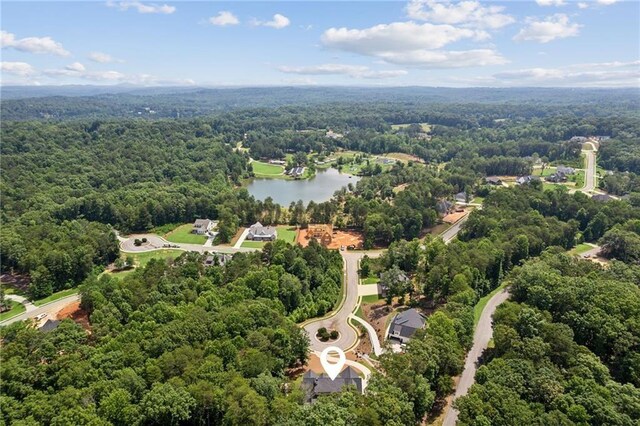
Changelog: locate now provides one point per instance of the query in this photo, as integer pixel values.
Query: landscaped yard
(56, 296)
(16, 309)
(370, 280)
(371, 299)
(141, 259)
(183, 234)
(548, 171)
(285, 232)
(260, 168)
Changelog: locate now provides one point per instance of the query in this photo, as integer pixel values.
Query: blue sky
(393, 43)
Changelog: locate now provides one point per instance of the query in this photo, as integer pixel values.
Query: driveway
(481, 338)
(23, 300)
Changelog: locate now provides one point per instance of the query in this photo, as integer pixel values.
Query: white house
(202, 226)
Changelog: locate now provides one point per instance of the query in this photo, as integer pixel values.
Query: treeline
(175, 343)
(57, 256)
(566, 350)
(621, 154)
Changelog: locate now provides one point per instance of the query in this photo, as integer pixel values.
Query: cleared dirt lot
(339, 238)
(74, 312)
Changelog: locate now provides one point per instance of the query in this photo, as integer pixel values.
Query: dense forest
(175, 342)
(566, 348)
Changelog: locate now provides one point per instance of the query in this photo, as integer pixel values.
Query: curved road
(481, 338)
(338, 320)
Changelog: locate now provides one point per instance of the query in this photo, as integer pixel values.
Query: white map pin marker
(332, 369)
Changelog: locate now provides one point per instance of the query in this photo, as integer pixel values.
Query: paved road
(481, 338)
(338, 320)
(590, 172)
(155, 242)
(50, 309)
(450, 234)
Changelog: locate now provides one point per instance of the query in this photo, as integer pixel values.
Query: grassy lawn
(141, 259)
(370, 280)
(182, 234)
(56, 296)
(478, 200)
(260, 168)
(477, 310)
(285, 232)
(16, 309)
(371, 299)
(548, 171)
(580, 248)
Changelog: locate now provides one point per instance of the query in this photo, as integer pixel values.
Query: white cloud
(606, 2)
(164, 9)
(410, 43)
(32, 44)
(605, 74)
(394, 37)
(446, 58)
(354, 71)
(582, 5)
(551, 28)
(76, 66)
(102, 58)
(466, 13)
(224, 18)
(551, 2)
(21, 69)
(278, 22)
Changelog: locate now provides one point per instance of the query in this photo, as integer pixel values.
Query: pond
(318, 189)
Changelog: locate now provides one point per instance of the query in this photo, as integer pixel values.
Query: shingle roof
(315, 384)
(406, 323)
(50, 325)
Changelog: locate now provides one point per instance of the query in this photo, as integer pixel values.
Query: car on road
(40, 316)
(342, 248)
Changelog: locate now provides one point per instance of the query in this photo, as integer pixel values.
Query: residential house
(315, 385)
(202, 226)
(405, 324)
(383, 288)
(295, 172)
(219, 259)
(493, 180)
(257, 232)
(50, 325)
(461, 197)
(321, 232)
(525, 180)
(278, 162)
(444, 207)
(565, 170)
(580, 139)
(333, 135)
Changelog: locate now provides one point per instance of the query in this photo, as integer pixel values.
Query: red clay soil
(454, 217)
(377, 314)
(339, 238)
(74, 312)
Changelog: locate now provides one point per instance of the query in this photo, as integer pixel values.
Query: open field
(56, 296)
(424, 126)
(266, 169)
(285, 232)
(16, 309)
(141, 259)
(548, 171)
(183, 234)
(401, 156)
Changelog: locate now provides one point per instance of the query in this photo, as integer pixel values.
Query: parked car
(342, 248)
(40, 316)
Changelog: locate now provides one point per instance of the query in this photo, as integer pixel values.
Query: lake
(319, 188)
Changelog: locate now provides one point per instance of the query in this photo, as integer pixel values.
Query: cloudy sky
(378, 43)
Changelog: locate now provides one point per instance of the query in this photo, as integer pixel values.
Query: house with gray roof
(258, 232)
(405, 324)
(202, 226)
(493, 180)
(524, 180)
(315, 385)
(50, 325)
(444, 206)
(602, 198)
(461, 197)
(565, 170)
